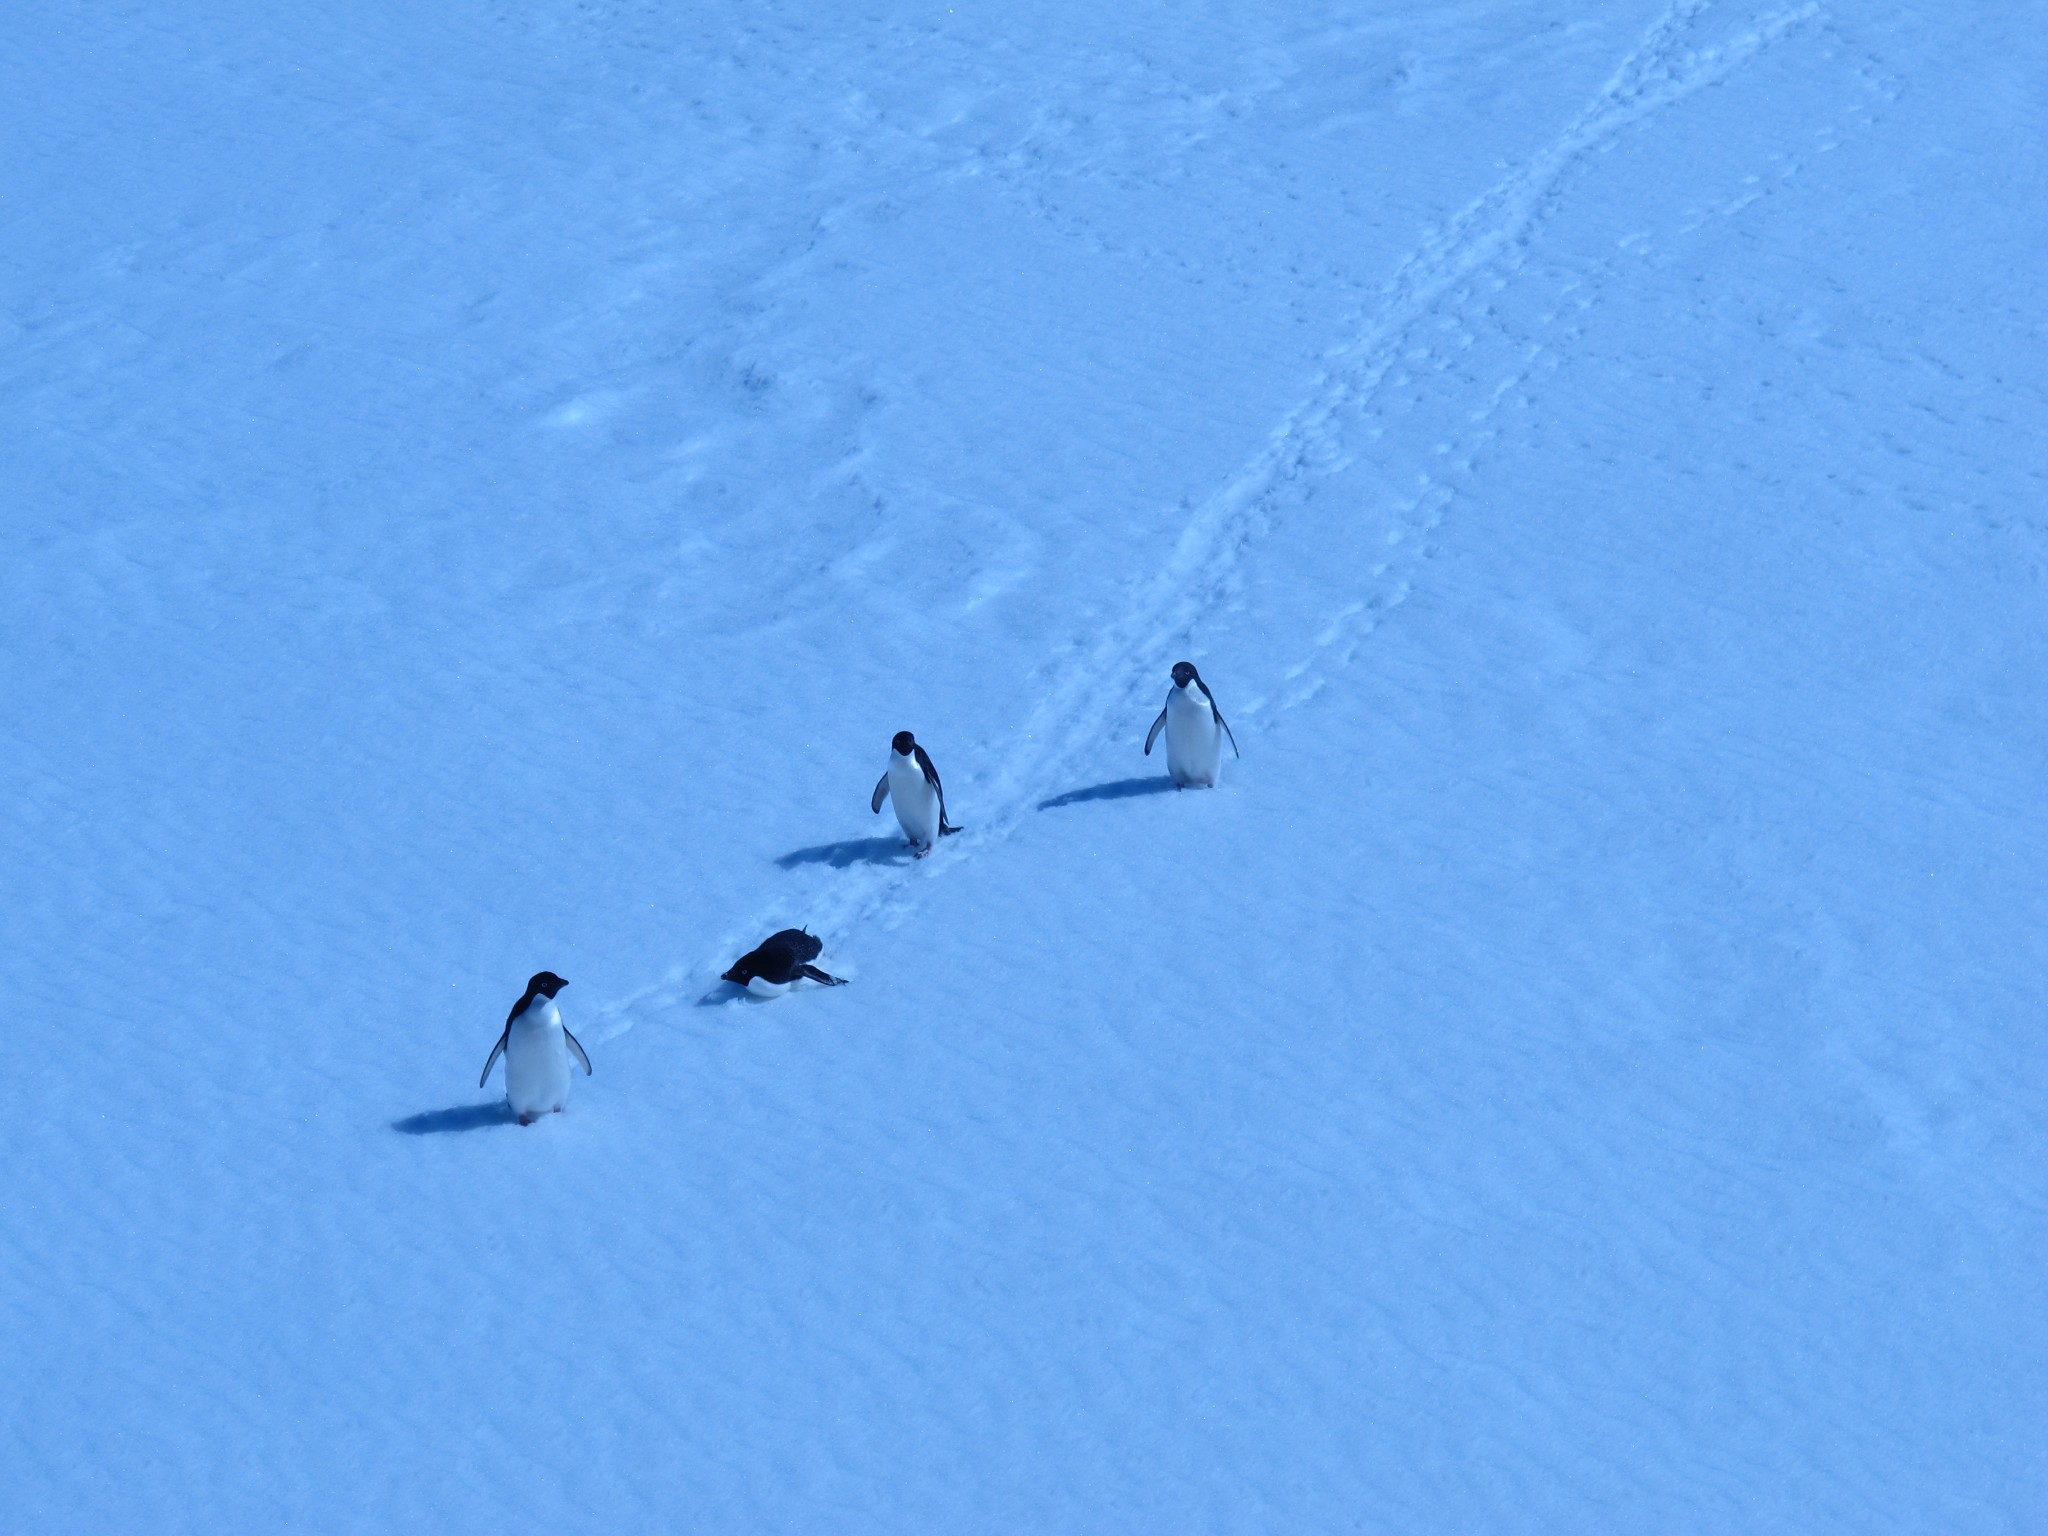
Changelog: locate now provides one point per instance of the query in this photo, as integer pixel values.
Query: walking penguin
(537, 1049)
(913, 784)
(1194, 728)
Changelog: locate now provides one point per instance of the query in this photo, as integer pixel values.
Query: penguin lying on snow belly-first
(912, 783)
(773, 967)
(1194, 728)
(537, 1049)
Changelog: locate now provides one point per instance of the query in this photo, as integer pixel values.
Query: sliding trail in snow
(1436, 301)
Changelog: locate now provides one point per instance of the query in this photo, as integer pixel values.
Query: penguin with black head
(537, 1048)
(911, 784)
(1194, 728)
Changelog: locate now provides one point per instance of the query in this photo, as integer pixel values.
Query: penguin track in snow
(1441, 290)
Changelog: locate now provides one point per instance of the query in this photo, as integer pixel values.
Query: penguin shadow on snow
(462, 1117)
(855, 850)
(1120, 789)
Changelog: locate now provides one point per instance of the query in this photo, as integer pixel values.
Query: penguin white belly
(536, 1063)
(761, 986)
(1194, 742)
(916, 802)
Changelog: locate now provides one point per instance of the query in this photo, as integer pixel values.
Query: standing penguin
(1194, 728)
(537, 1050)
(913, 783)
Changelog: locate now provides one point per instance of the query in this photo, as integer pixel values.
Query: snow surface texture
(485, 483)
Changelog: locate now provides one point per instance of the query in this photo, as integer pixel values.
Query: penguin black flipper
(1224, 723)
(1158, 726)
(576, 1050)
(881, 794)
(497, 1050)
(817, 975)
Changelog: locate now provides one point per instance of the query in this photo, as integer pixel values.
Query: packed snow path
(1096, 691)
(487, 487)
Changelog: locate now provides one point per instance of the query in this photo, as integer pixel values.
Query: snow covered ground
(484, 483)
